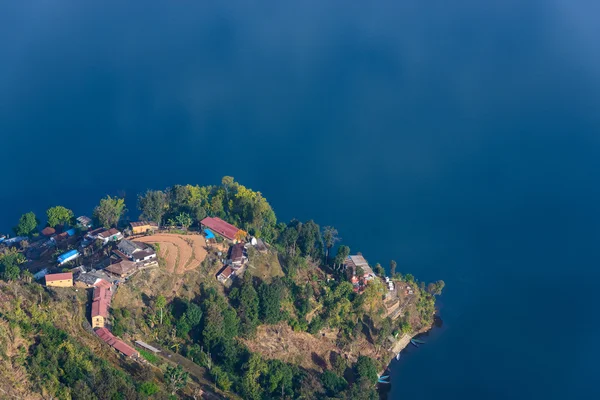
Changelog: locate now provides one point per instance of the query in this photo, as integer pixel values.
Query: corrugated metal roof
(221, 227)
(59, 277)
(67, 255)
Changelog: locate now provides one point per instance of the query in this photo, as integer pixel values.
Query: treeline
(207, 331)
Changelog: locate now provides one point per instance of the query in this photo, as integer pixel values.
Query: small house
(106, 336)
(110, 235)
(122, 268)
(238, 255)
(141, 227)
(64, 279)
(84, 222)
(136, 251)
(225, 274)
(358, 261)
(101, 301)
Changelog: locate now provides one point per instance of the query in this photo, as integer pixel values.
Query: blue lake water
(461, 139)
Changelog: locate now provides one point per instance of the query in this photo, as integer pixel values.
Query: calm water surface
(460, 139)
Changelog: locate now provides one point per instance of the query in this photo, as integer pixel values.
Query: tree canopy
(27, 224)
(109, 211)
(59, 215)
(153, 205)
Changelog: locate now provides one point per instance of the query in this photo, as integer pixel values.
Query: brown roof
(237, 252)
(221, 227)
(122, 268)
(140, 255)
(48, 231)
(226, 272)
(59, 277)
(143, 223)
(105, 335)
(108, 233)
(123, 348)
(115, 342)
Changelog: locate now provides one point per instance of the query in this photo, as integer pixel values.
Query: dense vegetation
(213, 327)
(44, 355)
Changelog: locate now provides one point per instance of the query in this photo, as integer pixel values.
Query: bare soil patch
(306, 350)
(181, 252)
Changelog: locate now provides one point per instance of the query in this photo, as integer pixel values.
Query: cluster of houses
(126, 257)
(212, 225)
(237, 257)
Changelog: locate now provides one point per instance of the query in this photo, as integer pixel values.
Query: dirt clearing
(181, 252)
(303, 349)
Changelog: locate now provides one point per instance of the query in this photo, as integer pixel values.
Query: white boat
(397, 356)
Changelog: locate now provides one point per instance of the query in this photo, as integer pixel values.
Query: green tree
(176, 378)
(147, 389)
(270, 302)
(248, 306)
(342, 254)
(109, 211)
(221, 378)
(10, 262)
(27, 224)
(193, 315)
(409, 278)
(379, 270)
(310, 240)
(184, 220)
(435, 288)
(250, 380)
(366, 368)
(59, 215)
(153, 205)
(160, 304)
(330, 238)
(333, 383)
(392, 268)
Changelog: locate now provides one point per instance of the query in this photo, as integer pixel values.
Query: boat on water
(380, 380)
(397, 356)
(419, 341)
(414, 343)
(384, 377)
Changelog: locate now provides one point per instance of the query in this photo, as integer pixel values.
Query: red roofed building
(217, 225)
(64, 279)
(101, 301)
(116, 343)
(225, 274)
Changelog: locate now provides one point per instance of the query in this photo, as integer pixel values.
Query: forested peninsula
(205, 295)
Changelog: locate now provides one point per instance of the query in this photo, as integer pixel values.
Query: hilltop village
(207, 295)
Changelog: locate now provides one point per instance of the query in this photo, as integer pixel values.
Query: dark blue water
(460, 138)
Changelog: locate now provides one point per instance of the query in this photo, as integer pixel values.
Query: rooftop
(226, 272)
(59, 277)
(122, 268)
(143, 223)
(108, 233)
(130, 247)
(221, 227)
(100, 308)
(236, 252)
